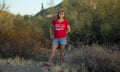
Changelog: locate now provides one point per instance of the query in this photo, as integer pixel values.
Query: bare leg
(54, 47)
(62, 47)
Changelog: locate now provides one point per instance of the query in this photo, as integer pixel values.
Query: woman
(58, 35)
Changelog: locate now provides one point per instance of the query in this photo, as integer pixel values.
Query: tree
(3, 6)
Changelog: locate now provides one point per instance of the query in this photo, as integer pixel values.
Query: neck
(61, 19)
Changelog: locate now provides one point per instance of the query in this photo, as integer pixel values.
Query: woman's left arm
(68, 29)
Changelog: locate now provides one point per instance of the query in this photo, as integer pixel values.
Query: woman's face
(61, 14)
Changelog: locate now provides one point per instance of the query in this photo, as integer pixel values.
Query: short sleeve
(52, 21)
(67, 22)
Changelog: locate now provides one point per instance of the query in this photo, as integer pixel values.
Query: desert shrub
(95, 19)
(21, 35)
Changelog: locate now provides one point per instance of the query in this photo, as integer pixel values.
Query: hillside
(47, 12)
(4, 14)
(72, 7)
(91, 20)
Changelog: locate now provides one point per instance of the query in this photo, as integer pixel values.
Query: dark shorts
(61, 41)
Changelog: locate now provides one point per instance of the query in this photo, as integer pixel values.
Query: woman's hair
(60, 11)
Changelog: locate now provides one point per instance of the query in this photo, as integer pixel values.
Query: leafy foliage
(92, 21)
(22, 35)
(97, 21)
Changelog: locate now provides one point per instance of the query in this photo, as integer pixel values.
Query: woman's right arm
(51, 31)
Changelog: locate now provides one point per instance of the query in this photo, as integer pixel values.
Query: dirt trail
(6, 68)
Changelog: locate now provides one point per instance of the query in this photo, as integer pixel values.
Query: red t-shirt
(60, 28)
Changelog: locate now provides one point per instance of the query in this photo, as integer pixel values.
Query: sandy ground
(6, 68)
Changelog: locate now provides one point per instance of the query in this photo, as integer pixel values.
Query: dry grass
(93, 58)
(19, 61)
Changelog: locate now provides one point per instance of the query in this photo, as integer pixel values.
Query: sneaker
(47, 66)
